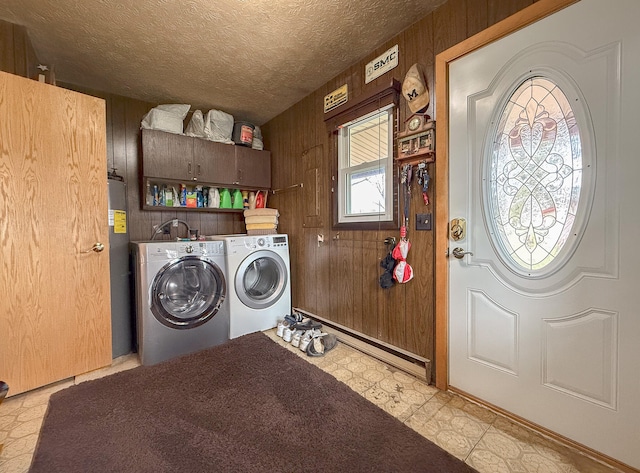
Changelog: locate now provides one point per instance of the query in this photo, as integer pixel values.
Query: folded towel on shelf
(261, 226)
(261, 219)
(261, 212)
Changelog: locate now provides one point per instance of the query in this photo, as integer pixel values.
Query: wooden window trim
(379, 97)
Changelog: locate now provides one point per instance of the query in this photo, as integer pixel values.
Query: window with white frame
(365, 168)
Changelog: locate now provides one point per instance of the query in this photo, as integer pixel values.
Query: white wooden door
(544, 168)
(55, 314)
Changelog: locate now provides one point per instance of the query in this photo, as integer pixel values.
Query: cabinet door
(254, 168)
(214, 162)
(167, 155)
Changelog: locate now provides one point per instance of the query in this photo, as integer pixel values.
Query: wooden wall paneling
(110, 139)
(308, 276)
(401, 315)
(450, 24)
(209, 226)
(229, 224)
(336, 309)
(386, 311)
(193, 219)
(397, 314)
(32, 58)
(343, 280)
(7, 49)
(116, 132)
(500, 9)
(358, 277)
(372, 253)
(141, 223)
(17, 55)
(477, 16)
(420, 297)
(312, 187)
(21, 45)
(302, 140)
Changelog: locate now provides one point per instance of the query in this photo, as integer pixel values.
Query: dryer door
(187, 292)
(261, 279)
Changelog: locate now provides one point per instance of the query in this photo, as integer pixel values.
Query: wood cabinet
(214, 162)
(253, 167)
(167, 155)
(178, 157)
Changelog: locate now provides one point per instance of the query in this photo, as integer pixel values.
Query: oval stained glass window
(535, 175)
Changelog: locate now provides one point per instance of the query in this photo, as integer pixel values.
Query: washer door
(261, 279)
(187, 292)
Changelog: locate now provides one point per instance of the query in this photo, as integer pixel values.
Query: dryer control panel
(258, 242)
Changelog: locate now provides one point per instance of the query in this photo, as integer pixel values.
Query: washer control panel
(172, 250)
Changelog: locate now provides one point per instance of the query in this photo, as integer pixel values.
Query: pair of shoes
(281, 326)
(296, 338)
(306, 338)
(321, 344)
(287, 334)
(294, 318)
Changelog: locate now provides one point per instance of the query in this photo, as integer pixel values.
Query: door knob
(97, 247)
(459, 253)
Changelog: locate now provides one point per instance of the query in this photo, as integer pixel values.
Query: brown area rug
(246, 406)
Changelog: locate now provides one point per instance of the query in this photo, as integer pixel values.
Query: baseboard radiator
(403, 360)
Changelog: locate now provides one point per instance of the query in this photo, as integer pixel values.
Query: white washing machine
(258, 271)
(181, 301)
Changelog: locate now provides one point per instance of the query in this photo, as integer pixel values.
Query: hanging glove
(386, 280)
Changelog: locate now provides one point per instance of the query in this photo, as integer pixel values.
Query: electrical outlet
(423, 221)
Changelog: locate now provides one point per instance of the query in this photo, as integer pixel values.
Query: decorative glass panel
(535, 174)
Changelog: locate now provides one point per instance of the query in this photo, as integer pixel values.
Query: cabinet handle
(199, 171)
(189, 168)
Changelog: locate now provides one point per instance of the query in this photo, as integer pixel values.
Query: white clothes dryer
(259, 279)
(181, 301)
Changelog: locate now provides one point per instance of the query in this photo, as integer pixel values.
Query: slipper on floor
(321, 344)
(293, 318)
(307, 324)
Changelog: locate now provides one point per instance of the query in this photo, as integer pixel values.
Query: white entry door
(544, 318)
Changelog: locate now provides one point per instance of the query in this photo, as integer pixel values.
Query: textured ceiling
(253, 59)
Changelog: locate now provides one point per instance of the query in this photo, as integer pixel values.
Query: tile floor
(486, 441)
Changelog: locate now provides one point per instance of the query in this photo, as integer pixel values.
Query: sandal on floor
(321, 344)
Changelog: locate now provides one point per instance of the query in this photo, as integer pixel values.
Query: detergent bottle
(236, 200)
(225, 199)
(214, 198)
(260, 200)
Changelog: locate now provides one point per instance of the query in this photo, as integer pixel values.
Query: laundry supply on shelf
(169, 118)
(261, 221)
(261, 212)
(261, 226)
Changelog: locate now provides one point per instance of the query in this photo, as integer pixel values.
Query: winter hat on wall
(414, 88)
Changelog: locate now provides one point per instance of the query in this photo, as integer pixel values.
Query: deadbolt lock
(458, 229)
